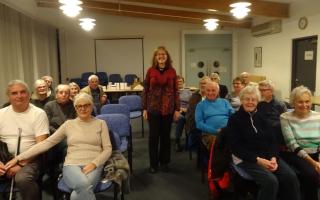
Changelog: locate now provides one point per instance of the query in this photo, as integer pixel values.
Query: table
(115, 93)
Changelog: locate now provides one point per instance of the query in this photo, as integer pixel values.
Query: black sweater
(251, 137)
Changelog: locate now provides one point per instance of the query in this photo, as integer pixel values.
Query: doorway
(304, 60)
(204, 54)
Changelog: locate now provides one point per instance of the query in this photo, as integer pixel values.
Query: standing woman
(161, 104)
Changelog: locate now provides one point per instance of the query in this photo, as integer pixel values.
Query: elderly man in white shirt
(34, 126)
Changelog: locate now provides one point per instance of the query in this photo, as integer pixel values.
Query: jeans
(179, 128)
(82, 184)
(283, 180)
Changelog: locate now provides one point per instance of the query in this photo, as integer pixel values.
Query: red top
(161, 93)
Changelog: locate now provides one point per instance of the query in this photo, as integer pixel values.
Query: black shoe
(152, 170)
(178, 147)
(165, 168)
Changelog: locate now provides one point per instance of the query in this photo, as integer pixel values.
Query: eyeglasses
(84, 106)
(236, 83)
(263, 90)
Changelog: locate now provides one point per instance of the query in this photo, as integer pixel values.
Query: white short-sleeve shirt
(33, 123)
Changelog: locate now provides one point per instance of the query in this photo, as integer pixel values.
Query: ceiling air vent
(266, 28)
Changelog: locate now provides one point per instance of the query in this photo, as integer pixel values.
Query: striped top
(302, 136)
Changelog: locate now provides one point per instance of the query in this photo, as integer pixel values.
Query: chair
(115, 78)
(76, 80)
(135, 105)
(103, 78)
(103, 185)
(116, 109)
(84, 78)
(129, 78)
(120, 123)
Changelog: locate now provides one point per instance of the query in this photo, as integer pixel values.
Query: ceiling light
(71, 8)
(211, 24)
(240, 10)
(212, 10)
(70, 2)
(87, 23)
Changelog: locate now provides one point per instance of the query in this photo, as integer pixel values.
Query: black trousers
(159, 139)
(308, 176)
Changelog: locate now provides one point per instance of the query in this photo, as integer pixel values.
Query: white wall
(78, 45)
(277, 49)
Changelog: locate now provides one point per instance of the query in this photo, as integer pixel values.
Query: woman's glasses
(84, 106)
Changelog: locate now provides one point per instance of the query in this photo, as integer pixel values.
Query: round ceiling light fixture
(240, 9)
(87, 23)
(211, 24)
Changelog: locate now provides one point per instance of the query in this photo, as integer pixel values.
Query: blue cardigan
(212, 115)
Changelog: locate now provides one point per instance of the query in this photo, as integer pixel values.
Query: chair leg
(130, 150)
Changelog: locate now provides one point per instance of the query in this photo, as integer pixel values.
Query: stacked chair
(119, 122)
(134, 103)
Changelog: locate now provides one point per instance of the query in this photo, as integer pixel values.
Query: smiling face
(302, 105)
(84, 109)
(212, 91)
(161, 57)
(18, 96)
(249, 102)
(93, 83)
(237, 86)
(42, 88)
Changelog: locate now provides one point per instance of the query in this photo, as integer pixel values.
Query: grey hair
(17, 82)
(250, 89)
(215, 84)
(38, 82)
(47, 78)
(267, 83)
(93, 76)
(298, 92)
(82, 96)
(74, 84)
(60, 87)
(214, 76)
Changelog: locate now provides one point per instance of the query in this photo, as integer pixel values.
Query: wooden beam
(262, 8)
(152, 13)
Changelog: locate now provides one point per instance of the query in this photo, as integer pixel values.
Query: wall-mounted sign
(308, 55)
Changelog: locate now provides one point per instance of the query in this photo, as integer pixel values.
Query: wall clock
(303, 23)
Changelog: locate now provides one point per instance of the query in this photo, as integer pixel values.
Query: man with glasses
(32, 122)
(271, 108)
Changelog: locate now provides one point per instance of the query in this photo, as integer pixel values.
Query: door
(205, 54)
(304, 59)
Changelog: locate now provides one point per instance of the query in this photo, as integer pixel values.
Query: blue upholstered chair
(120, 124)
(129, 78)
(115, 78)
(116, 109)
(103, 78)
(135, 105)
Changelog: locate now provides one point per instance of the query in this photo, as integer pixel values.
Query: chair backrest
(133, 101)
(115, 78)
(118, 123)
(116, 109)
(103, 78)
(85, 75)
(84, 78)
(129, 78)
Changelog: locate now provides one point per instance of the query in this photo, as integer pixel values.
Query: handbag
(5, 156)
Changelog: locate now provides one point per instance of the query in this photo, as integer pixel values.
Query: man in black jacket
(271, 108)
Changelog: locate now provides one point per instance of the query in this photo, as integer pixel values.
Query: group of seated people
(62, 121)
(279, 149)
